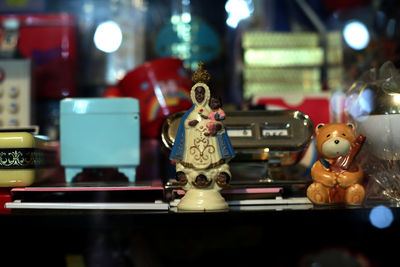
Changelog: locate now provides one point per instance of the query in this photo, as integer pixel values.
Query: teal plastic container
(100, 133)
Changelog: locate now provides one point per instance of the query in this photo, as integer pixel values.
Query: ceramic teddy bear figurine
(337, 178)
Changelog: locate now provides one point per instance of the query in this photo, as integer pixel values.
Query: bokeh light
(356, 35)
(238, 10)
(360, 106)
(108, 36)
(381, 217)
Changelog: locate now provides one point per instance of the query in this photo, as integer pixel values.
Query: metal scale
(265, 142)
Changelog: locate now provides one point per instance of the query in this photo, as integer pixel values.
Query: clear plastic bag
(373, 105)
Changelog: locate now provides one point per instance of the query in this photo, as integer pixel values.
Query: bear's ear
(350, 125)
(319, 127)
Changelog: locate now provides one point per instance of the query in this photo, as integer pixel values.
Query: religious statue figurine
(201, 158)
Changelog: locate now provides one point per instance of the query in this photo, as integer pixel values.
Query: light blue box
(100, 133)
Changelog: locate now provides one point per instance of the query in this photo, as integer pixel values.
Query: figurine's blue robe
(224, 144)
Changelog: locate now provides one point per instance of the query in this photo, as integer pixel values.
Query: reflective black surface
(334, 235)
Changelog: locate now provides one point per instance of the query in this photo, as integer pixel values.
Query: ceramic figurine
(337, 177)
(201, 158)
(217, 114)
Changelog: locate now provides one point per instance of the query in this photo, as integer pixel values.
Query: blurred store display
(40, 66)
(162, 87)
(290, 62)
(15, 93)
(49, 40)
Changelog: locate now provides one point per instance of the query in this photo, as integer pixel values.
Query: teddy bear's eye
(343, 134)
(328, 135)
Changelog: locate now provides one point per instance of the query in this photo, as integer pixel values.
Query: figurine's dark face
(200, 94)
(215, 103)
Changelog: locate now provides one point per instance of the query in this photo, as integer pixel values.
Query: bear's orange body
(333, 185)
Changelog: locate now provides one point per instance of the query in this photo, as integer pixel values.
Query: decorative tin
(22, 157)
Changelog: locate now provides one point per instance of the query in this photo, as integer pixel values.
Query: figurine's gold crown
(201, 75)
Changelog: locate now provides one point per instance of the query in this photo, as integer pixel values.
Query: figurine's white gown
(201, 151)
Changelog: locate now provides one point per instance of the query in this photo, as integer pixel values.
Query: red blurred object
(50, 41)
(162, 87)
(333, 5)
(2, 75)
(5, 196)
(317, 106)
(112, 92)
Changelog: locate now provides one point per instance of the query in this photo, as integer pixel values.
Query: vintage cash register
(265, 143)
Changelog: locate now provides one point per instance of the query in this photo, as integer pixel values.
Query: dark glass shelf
(236, 237)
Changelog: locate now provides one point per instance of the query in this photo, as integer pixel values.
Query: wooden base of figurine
(202, 200)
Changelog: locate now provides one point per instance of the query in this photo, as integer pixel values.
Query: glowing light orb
(356, 35)
(381, 217)
(238, 10)
(108, 36)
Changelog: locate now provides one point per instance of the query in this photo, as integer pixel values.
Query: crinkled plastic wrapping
(373, 105)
